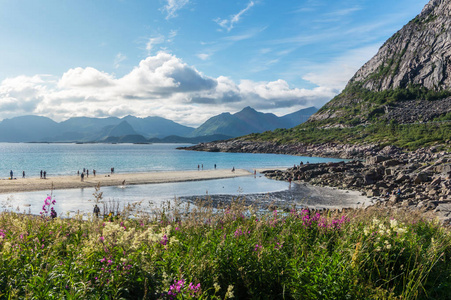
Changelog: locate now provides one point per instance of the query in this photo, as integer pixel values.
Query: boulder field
(393, 178)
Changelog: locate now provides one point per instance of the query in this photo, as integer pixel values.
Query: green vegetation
(231, 252)
(356, 120)
(408, 136)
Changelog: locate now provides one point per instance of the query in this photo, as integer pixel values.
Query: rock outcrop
(418, 54)
(417, 57)
(301, 149)
(416, 180)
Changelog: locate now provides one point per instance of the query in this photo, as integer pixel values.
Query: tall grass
(235, 251)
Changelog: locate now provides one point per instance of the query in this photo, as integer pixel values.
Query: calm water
(66, 159)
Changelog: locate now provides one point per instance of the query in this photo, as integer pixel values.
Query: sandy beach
(71, 182)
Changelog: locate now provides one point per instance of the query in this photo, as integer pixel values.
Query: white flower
(393, 223)
(217, 287)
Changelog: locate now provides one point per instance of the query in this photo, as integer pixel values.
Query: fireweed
(237, 251)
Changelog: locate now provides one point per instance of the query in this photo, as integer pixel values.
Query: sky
(185, 60)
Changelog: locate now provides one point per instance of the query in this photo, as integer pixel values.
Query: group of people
(86, 173)
(43, 174)
(201, 166)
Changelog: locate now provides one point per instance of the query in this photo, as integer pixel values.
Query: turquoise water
(66, 159)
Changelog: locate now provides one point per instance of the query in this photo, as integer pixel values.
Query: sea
(68, 158)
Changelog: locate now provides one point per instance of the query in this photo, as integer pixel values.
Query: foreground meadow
(231, 252)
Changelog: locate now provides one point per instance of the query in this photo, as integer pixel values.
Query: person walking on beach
(233, 169)
(45, 174)
(94, 172)
(96, 210)
(87, 173)
(215, 166)
(11, 174)
(41, 174)
(23, 174)
(82, 176)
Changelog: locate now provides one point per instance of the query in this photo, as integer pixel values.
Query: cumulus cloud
(173, 6)
(84, 78)
(229, 23)
(160, 85)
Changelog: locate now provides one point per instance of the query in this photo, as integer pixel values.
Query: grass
(218, 253)
(407, 136)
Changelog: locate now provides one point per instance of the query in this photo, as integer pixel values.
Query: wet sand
(71, 182)
(300, 194)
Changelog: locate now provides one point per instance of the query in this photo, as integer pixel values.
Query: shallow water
(67, 159)
(82, 200)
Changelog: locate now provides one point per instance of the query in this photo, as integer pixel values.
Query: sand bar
(72, 182)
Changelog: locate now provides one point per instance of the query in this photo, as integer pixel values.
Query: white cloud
(118, 59)
(152, 42)
(84, 78)
(173, 6)
(161, 85)
(336, 73)
(203, 56)
(229, 23)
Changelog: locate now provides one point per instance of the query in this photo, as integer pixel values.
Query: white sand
(69, 182)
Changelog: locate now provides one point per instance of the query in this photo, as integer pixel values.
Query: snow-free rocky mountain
(131, 129)
(408, 80)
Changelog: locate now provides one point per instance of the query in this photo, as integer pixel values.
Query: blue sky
(185, 60)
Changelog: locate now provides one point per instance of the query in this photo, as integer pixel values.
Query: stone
(391, 162)
(394, 199)
(375, 159)
(436, 181)
(420, 178)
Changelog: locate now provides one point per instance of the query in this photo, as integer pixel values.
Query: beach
(71, 182)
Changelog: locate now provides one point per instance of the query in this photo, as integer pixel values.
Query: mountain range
(132, 129)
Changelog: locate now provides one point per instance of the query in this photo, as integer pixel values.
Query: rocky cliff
(414, 64)
(418, 54)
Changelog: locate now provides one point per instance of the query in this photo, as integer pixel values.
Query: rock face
(418, 54)
(417, 57)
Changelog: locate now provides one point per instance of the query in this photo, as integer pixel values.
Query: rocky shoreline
(417, 180)
(322, 150)
(391, 177)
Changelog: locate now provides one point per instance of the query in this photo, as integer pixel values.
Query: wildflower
(229, 293)
(217, 287)
(393, 223)
(257, 247)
